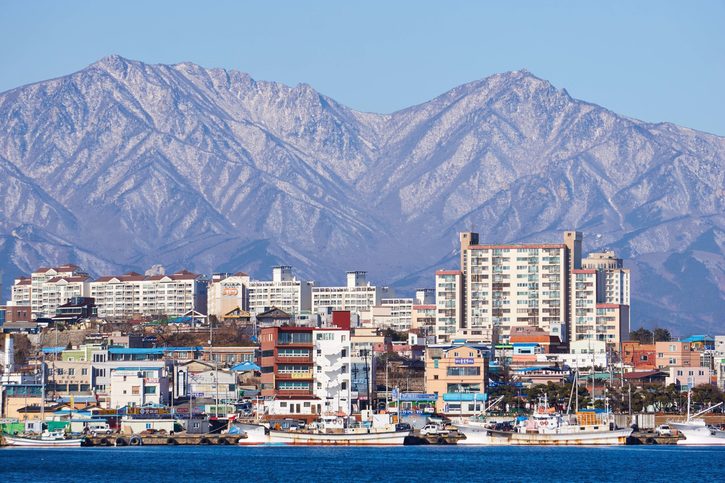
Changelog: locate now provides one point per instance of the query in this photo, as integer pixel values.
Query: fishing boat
(546, 426)
(695, 429)
(325, 432)
(52, 439)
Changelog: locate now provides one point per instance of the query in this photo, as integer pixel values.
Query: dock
(181, 439)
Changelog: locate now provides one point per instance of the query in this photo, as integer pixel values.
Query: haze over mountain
(124, 164)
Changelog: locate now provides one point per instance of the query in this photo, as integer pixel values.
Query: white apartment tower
(284, 291)
(449, 304)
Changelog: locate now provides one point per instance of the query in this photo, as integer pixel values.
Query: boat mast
(42, 393)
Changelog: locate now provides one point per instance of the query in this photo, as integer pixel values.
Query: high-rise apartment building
(508, 286)
(449, 304)
(284, 292)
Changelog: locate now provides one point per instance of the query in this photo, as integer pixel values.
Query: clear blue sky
(653, 60)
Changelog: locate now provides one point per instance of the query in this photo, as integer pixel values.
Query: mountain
(124, 164)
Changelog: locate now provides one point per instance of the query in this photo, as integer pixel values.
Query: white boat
(53, 439)
(696, 431)
(327, 432)
(346, 437)
(548, 427)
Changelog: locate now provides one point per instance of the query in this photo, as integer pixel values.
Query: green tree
(662, 335)
(641, 335)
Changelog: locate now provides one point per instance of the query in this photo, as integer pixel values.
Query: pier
(162, 440)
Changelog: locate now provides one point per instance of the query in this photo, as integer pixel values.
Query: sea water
(154, 464)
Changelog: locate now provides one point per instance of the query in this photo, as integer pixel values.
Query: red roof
(424, 307)
(640, 374)
(448, 272)
(23, 281)
(608, 306)
(579, 270)
(535, 245)
(69, 279)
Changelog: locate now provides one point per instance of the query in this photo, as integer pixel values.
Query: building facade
(449, 304)
(47, 288)
(227, 292)
(133, 295)
(357, 296)
(457, 374)
(284, 292)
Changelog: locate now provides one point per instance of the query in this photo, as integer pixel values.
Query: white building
(332, 362)
(204, 380)
(132, 294)
(133, 385)
(449, 307)
(357, 296)
(393, 314)
(227, 292)
(284, 291)
(47, 288)
(582, 354)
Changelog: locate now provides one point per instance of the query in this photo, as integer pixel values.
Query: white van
(98, 427)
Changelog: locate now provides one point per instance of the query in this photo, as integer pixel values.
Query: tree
(662, 335)
(642, 335)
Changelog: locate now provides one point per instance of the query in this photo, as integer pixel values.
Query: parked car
(663, 430)
(433, 429)
(98, 427)
(403, 427)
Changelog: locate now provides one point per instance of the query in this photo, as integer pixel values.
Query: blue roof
(152, 350)
(699, 338)
(464, 396)
(53, 350)
(246, 366)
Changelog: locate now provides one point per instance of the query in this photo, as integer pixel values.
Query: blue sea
(324, 464)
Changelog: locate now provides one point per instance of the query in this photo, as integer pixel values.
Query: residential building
(401, 313)
(641, 357)
(308, 369)
(676, 353)
(204, 380)
(685, 377)
(363, 365)
(457, 374)
(284, 292)
(47, 288)
(613, 285)
(287, 377)
(229, 356)
(594, 320)
(357, 296)
(423, 320)
(425, 296)
(132, 294)
(227, 292)
(449, 304)
(507, 286)
(66, 378)
(332, 361)
(139, 386)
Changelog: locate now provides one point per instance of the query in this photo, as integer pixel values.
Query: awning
(246, 366)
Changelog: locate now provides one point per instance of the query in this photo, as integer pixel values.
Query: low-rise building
(641, 357)
(139, 385)
(676, 353)
(685, 377)
(457, 374)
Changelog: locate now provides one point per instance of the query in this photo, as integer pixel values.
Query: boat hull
(698, 435)
(480, 436)
(580, 438)
(387, 438)
(39, 443)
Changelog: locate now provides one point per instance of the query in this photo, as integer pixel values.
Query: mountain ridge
(126, 164)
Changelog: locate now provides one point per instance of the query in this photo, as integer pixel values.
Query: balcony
(293, 360)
